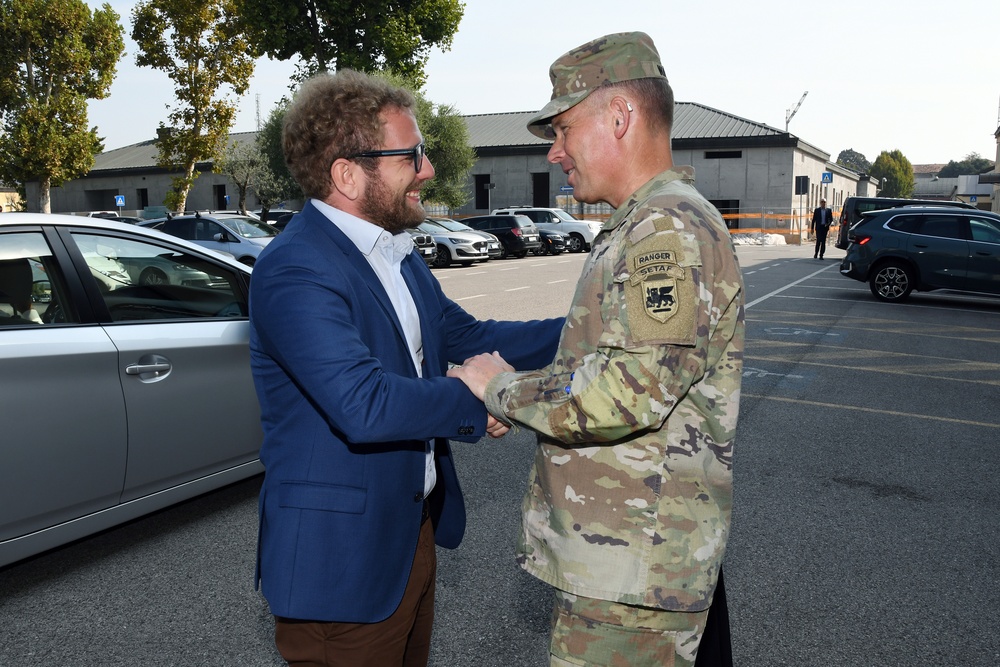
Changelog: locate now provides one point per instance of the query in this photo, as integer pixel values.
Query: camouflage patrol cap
(613, 58)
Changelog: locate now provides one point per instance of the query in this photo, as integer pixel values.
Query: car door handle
(139, 369)
(150, 363)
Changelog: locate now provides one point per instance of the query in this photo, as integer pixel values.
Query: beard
(392, 212)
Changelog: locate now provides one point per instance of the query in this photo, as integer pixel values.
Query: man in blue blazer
(350, 340)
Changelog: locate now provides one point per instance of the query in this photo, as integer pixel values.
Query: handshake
(476, 373)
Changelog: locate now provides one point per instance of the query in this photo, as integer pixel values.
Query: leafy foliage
(201, 46)
(54, 56)
(444, 132)
(276, 184)
(447, 139)
(366, 35)
(973, 163)
(853, 160)
(897, 172)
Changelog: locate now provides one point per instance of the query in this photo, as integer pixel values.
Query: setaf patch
(660, 294)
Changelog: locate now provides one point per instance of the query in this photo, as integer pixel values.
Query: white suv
(580, 233)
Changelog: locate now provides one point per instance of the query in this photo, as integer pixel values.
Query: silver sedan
(120, 395)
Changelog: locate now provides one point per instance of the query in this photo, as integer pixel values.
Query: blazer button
(418, 497)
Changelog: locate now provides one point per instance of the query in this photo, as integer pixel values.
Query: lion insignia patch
(658, 272)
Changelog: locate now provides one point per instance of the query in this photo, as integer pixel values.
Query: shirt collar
(683, 173)
(366, 235)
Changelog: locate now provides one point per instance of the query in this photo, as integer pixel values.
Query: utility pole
(791, 112)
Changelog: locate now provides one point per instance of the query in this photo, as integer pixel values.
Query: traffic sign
(565, 188)
(828, 177)
(120, 201)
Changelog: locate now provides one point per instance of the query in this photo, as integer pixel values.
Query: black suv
(925, 248)
(517, 233)
(853, 207)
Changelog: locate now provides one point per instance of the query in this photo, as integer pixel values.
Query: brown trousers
(402, 640)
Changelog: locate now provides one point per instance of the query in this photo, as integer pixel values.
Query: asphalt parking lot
(864, 525)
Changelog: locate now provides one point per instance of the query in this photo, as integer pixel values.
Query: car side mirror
(220, 237)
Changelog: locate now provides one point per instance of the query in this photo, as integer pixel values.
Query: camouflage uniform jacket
(630, 494)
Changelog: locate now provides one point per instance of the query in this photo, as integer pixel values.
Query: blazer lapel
(361, 266)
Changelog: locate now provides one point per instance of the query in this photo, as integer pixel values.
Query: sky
(918, 76)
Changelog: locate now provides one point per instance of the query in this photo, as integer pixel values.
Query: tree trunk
(44, 195)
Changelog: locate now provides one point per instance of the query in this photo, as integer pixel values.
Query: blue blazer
(346, 418)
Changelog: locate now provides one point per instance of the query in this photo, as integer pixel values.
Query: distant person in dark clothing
(822, 219)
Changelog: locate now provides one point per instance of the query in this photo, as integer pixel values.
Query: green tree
(447, 140)
(894, 174)
(54, 56)
(242, 162)
(276, 183)
(973, 163)
(853, 160)
(201, 46)
(366, 35)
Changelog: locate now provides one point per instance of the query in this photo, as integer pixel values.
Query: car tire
(249, 261)
(151, 276)
(522, 254)
(443, 258)
(892, 281)
(575, 243)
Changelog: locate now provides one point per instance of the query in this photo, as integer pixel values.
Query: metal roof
(497, 130)
(691, 121)
(143, 154)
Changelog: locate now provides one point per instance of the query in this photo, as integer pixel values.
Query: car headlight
(456, 241)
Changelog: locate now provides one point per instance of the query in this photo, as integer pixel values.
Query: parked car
(581, 233)
(240, 236)
(553, 242)
(493, 246)
(925, 248)
(455, 247)
(424, 245)
(272, 214)
(282, 220)
(850, 212)
(118, 398)
(517, 233)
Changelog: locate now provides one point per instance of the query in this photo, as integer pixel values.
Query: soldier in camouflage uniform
(630, 497)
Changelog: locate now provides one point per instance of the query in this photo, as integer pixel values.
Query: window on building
(723, 155)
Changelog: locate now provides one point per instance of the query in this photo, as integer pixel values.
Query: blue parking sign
(120, 201)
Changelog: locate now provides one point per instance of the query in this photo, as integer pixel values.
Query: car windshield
(563, 215)
(451, 225)
(249, 228)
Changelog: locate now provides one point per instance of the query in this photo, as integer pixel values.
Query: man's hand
(477, 371)
(495, 428)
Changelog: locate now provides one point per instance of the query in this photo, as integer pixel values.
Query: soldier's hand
(477, 371)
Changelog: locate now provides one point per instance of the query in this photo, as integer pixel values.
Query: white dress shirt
(385, 253)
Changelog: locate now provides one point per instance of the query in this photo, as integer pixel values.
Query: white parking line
(515, 289)
(466, 298)
(788, 286)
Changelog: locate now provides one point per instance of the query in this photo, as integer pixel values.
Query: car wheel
(504, 253)
(151, 276)
(575, 243)
(892, 281)
(522, 254)
(443, 258)
(249, 261)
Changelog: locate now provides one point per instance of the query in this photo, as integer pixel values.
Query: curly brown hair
(333, 116)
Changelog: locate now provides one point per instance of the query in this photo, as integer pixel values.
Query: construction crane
(791, 112)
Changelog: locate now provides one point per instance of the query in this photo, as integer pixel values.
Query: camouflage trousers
(600, 633)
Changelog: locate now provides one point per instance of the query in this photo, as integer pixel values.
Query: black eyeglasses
(417, 153)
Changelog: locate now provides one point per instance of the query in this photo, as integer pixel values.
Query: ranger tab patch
(658, 273)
